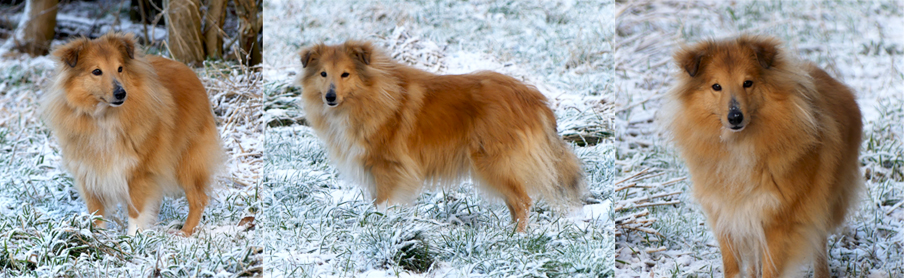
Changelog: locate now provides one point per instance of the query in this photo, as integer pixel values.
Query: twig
(893, 208)
(644, 171)
(650, 205)
(617, 189)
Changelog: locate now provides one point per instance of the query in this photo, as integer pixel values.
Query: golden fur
(392, 128)
(160, 138)
(777, 184)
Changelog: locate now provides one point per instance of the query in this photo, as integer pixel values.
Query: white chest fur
(102, 162)
(738, 201)
(345, 151)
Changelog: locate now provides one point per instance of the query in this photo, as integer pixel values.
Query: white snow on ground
(861, 43)
(318, 225)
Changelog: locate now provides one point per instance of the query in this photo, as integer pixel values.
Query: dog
(771, 143)
(394, 128)
(132, 128)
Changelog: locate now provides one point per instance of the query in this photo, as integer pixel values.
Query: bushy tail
(571, 185)
(556, 174)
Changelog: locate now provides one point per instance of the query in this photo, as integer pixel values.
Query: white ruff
(105, 173)
(345, 152)
(742, 218)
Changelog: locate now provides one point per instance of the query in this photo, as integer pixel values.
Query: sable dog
(392, 128)
(132, 128)
(772, 147)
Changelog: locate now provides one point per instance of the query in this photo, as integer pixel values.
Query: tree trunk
(145, 11)
(250, 25)
(213, 26)
(35, 30)
(183, 30)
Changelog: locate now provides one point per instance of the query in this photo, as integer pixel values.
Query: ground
(858, 43)
(319, 225)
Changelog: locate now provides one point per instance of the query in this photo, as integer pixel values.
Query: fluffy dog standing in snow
(772, 147)
(132, 128)
(392, 128)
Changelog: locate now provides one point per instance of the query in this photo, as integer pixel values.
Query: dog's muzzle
(330, 96)
(735, 117)
(119, 94)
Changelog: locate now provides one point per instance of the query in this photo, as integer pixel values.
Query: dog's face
(726, 77)
(96, 70)
(334, 74)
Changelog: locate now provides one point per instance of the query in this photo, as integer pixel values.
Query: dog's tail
(571, 187)
(560, 178)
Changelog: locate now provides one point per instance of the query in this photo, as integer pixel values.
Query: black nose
(331, 94)
(735, 117)
(119, 93)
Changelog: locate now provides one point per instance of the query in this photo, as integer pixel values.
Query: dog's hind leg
(497, 173)
(197, 201)
(194, 174)
(195, 181)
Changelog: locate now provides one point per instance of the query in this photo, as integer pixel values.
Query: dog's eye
(97, 72)
(323, 73)
(717, 87)
(120, 69)
(344, 74)
(748, 83)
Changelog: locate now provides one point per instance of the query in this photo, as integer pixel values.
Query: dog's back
(840, 107)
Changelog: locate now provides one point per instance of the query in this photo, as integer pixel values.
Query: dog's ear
(310, 54)
(124, 42)
(68, 53)
(128, 45)
(765, 49)
(689, 59)
(360, 51)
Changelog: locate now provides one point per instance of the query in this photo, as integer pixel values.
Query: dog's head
(334, 74)
(96, 69)
(727, 76)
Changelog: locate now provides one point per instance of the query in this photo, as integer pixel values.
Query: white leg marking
(133, 226)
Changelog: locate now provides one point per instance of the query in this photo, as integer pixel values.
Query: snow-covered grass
(860, 43)
(44, 228)
(315, 224)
